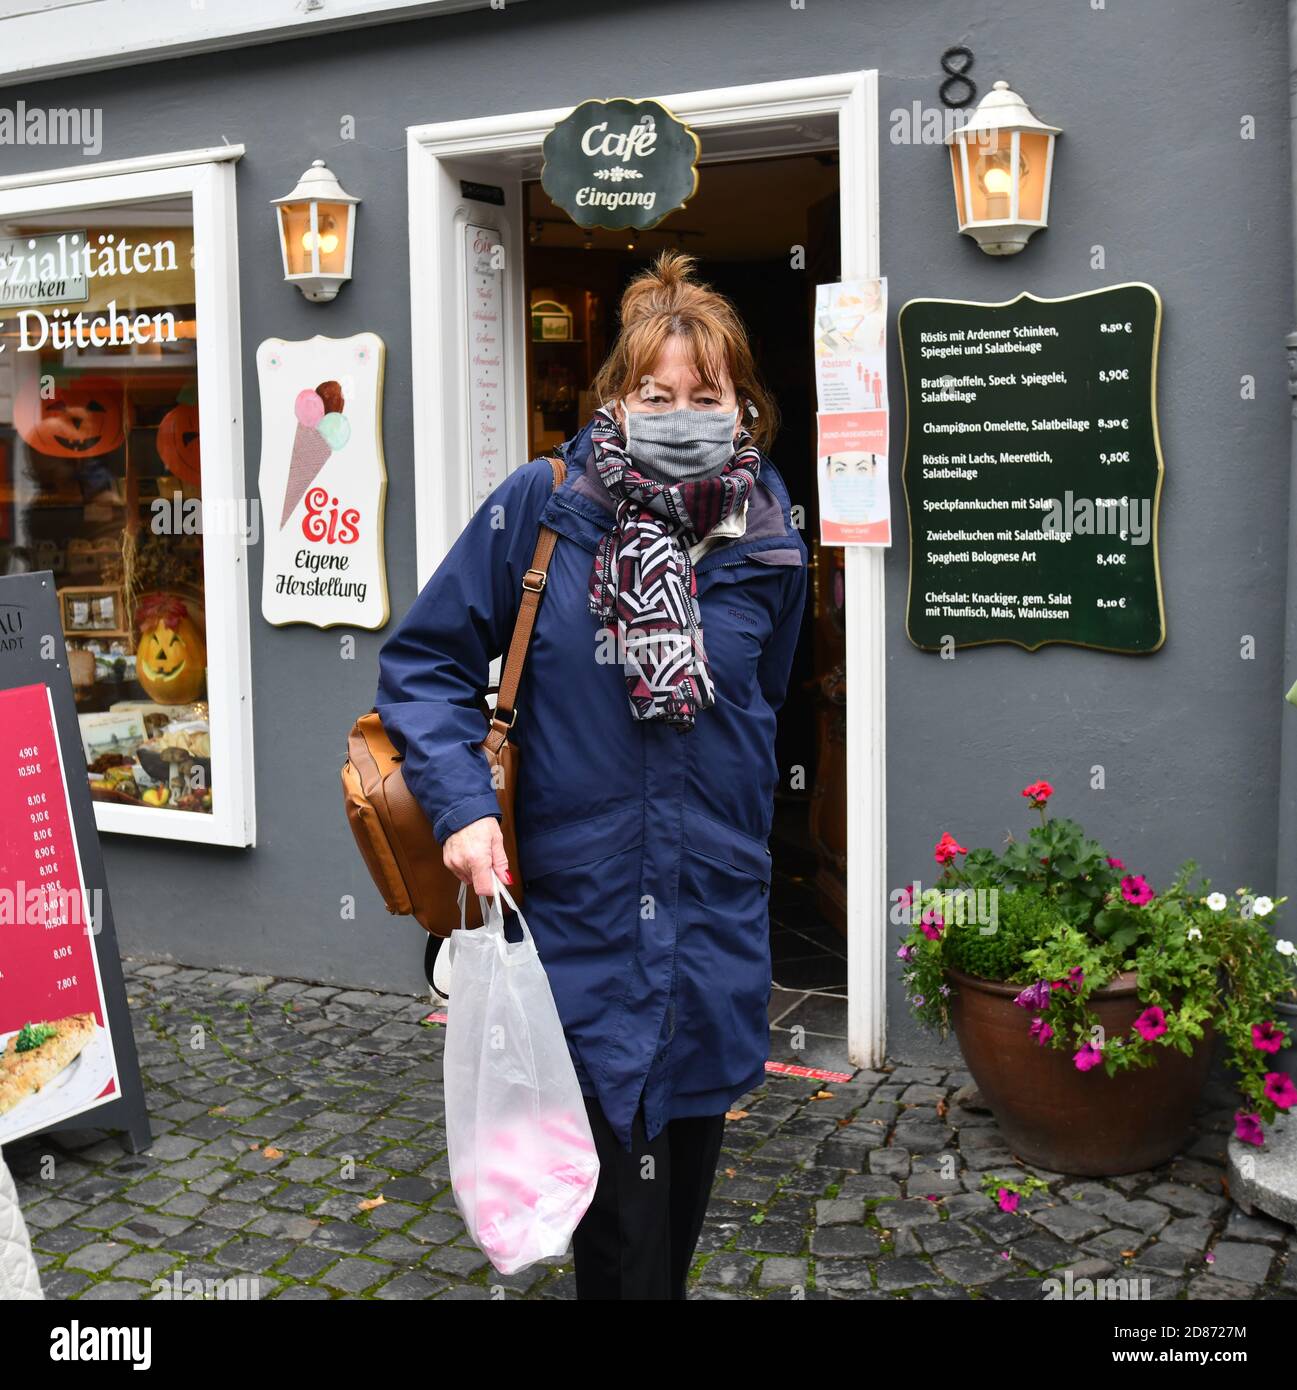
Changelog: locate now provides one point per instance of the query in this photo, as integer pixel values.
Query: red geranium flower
(1038, 794)
(947, 847)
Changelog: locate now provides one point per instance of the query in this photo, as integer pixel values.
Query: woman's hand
(471, 853)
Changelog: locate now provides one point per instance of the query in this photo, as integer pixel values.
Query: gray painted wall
(1151, 168)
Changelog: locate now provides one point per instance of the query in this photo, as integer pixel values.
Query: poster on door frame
(484, 317)
(851, 388)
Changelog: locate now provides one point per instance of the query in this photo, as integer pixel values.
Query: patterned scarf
(643, 576)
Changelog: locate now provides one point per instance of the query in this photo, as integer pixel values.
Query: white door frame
(439, 155)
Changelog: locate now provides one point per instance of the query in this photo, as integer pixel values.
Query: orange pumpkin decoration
(178, 443)
(81, 420)
(171, 656)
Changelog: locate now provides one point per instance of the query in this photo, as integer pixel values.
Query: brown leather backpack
(393, 833)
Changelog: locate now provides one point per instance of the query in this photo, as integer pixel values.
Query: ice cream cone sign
(323, 481)
(322, 429)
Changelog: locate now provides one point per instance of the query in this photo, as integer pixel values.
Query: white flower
(1285, 948)
(1217, 901)
(1262, 906)
(1195, 934)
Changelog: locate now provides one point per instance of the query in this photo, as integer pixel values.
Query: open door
(469, 371)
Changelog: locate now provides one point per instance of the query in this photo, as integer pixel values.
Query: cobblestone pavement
(263, 1094)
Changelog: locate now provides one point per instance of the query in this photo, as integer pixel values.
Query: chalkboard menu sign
(1033, 470)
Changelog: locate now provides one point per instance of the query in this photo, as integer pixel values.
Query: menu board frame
(1154, 346)
(32, 655)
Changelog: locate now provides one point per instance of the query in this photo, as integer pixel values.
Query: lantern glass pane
(958, 173)
(1033, 153)
(990, 164)
(332, 221)
(295, 228)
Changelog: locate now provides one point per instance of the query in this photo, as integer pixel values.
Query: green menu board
(1033, 470)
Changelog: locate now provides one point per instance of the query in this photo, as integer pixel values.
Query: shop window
(121, 473)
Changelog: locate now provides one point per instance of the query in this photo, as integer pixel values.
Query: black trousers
(637, 1239)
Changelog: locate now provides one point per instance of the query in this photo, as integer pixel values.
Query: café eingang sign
(620, 163)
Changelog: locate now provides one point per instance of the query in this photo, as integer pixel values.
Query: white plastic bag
(523, 1165)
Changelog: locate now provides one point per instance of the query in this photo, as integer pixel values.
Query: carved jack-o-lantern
(171, 657)
(178, 443)
(83, 418)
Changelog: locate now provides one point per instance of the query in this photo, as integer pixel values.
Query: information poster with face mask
(851, 385)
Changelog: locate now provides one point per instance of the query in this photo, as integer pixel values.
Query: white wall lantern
(1002, 158)
(317, 229)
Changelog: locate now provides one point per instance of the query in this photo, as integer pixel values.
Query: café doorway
(764, 232)
(471, 198)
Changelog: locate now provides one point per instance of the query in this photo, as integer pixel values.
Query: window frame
(207, 178)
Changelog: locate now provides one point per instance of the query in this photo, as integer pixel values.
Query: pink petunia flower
(1267, 1037)
(1075, 978)
(1041, 1031)
(1151, 1023)
(906, 895)
(1135, 889)
(1115, 863)
(1088, 1057)
(1008, 1200)
(932, 924)
(905, 952)
(1034, 996)
(1280, 1089)
(1247, 1128)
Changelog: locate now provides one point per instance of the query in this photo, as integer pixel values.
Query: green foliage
(995, 951)
(31, 1035)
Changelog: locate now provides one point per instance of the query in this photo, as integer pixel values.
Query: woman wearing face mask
(646, 723)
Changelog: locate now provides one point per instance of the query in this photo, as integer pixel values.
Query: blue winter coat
(642, 849)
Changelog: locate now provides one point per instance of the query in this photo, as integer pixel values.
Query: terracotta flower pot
(1062, 1119)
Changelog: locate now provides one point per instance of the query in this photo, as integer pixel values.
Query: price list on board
(1033, 470)
(47, 967)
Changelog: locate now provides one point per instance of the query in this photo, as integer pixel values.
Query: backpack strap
(533, 586)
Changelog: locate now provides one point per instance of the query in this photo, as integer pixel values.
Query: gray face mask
(680, 446)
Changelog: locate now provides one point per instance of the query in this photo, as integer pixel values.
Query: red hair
(665, 301)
